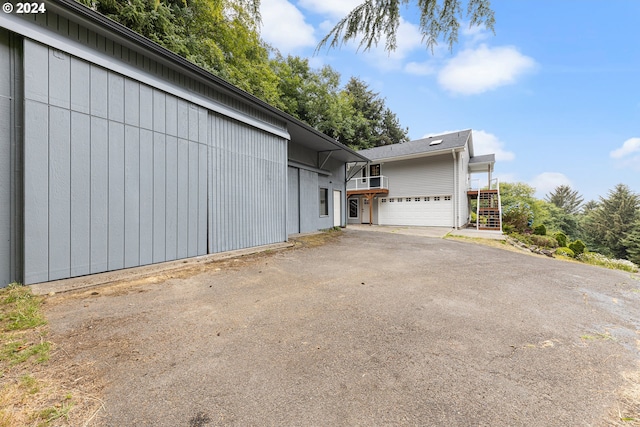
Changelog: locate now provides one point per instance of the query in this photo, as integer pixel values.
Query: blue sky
(555, 93)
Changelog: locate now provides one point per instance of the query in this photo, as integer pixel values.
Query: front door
(364, 213)
(374, 170)
(337, 208)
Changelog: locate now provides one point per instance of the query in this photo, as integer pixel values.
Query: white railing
(368, 183)
(494, 184)
(478, 184)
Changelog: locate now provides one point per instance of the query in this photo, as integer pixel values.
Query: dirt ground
(366, 329)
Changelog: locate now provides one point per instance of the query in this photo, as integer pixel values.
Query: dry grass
(627, 409)
(317, 239)
(38, 382)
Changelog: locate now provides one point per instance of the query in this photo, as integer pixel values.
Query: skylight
(435, 142)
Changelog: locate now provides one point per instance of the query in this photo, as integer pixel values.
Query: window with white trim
(447, 197)
(436, 199)
(353, 208)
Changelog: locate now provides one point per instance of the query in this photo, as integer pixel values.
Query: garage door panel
(417, 211)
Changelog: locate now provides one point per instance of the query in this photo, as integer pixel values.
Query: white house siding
(428, 176)
(463, 204)
(418, 178)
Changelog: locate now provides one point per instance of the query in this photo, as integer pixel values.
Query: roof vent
(435, 142)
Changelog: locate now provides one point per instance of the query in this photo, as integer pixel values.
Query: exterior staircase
(489, 208)
(488, 212)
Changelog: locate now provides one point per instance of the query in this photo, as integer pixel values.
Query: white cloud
(488, 143)
(420, 68)
(335, 8)
(284, 27)
(475, 71)
(548, 181)
(474, 34)
(630, 146)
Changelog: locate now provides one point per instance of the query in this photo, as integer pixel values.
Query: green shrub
(524, 238)
(544, 241)
(577, 247)
(565, 251)
(518, 216)
(561, 238)
(540, 230)
(594, 258)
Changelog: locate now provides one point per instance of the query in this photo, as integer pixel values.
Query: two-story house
(426, 182)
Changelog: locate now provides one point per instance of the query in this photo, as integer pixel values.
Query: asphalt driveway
(368, 329)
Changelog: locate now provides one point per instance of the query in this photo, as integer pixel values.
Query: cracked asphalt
(367, 329)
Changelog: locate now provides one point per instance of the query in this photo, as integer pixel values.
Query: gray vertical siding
(115, 171)
(5, 158)
(10, 158)
(293, 202)
(309, 201)
(121, 172)
(248, 186)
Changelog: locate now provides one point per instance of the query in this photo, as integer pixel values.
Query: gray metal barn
(115, 153)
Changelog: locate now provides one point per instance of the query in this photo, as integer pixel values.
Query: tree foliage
(374, 20)
(353, 115)
(610, 228)
(379, 125)
(565, 198)
(222, 37)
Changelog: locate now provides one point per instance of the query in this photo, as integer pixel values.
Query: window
(392, 200)
(426, 199)
(436, 199)
(324, 202)
(384, 200)
(436, 142)
(417, 199)
(353, 208)
(399, 199)
(447, 197)
(408, 199)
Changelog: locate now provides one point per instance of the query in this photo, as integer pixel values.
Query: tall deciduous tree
(565, 198)
(220, 36)
(608, 226)
(375, 20)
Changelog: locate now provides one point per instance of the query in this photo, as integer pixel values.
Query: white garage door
(435, 211)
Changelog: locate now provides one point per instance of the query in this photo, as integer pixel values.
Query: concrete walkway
(437, 232)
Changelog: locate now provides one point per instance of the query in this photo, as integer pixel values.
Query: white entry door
(337, 208)
(364, 213)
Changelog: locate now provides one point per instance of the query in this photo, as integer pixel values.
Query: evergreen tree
(608, 226)
(565, 198)
(378, 126)
(632, 243)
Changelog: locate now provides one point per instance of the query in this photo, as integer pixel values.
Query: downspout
(455, 189)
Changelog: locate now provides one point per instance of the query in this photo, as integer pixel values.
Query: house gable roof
(420, 147)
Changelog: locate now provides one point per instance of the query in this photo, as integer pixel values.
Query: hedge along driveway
(367, 329)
